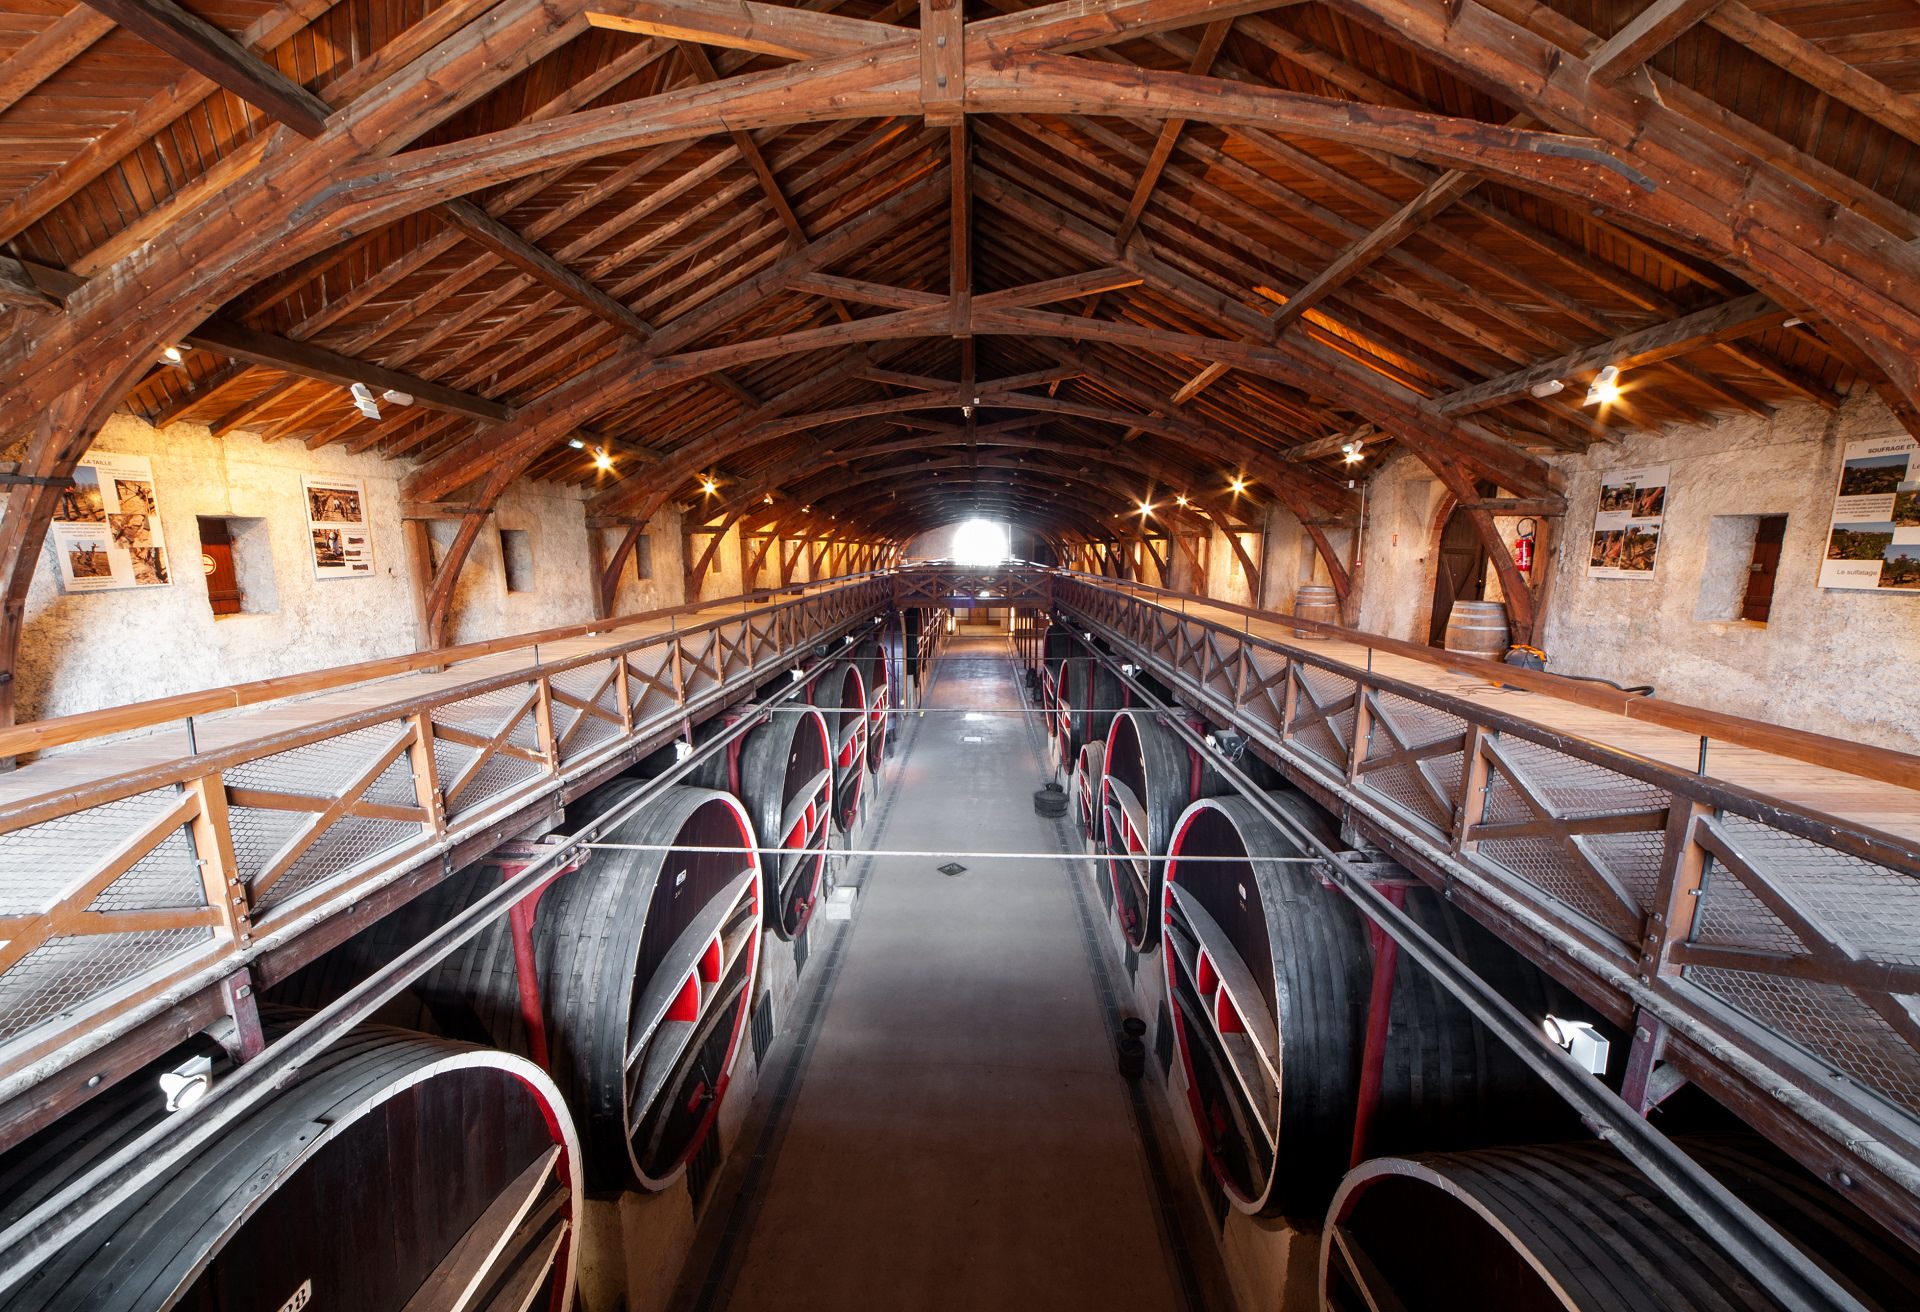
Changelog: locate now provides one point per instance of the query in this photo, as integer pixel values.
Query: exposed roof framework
(866, 268)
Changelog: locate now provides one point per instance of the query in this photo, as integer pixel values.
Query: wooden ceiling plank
(1199, 66)
(746, 25)
(1825, 72)
(57, 45)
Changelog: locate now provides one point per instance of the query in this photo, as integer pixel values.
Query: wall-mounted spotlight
(363, 401)
(1606, 387)
(174, 355)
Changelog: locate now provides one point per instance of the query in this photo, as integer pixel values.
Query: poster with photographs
(106, 528)
(1627, 527)
(1875, 538)
(337, 526)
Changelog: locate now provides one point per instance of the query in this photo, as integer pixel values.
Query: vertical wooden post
(419, 549)
(220, 877)
(426, 773)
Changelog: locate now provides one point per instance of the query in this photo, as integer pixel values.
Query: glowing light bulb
(601, 460)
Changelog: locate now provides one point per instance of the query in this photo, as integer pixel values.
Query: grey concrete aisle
(961, 1139)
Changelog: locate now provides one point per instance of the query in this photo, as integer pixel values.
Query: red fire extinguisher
(1523, 546)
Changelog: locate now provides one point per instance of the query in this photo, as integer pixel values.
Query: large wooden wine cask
(398, 1172)
(784, 777)
(871, 657)
(1148, 778)
(1268, 973)
(646, 961)
(1478, 628)
(1061, 646)
(1087, 791)
(1087, 694)
(1574, 1228)
(841, 694)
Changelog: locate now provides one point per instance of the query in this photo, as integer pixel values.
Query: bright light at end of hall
(982, 542)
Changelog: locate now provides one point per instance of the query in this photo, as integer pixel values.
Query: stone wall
(85, 650)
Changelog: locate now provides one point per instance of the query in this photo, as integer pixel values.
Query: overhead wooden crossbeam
(310, 361)
(218, 57)
(1201, 64)
(1654, 29)
(19, 291)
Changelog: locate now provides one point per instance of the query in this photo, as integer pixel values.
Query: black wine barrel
(1574, 1228)
(398, 1172)
(841, 694)
(646, 962)
(871, 657)
(1148, 778)
(1087, 695)
(1087, 769)
(785, 772)
(1268, 974)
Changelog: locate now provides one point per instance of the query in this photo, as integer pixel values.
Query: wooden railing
(1772, 953)
(139, 887)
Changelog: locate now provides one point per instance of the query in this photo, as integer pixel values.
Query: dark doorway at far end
(1461, 570)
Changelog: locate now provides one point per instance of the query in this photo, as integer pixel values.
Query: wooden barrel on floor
(1148, 778)
(1574, 1228)
(785, 781)
(840, 692)
(1318, 602)
(645, 961)
(1087, 789)
(871, 657)
(398, 1172)
(1478, 628)
(1088, 696)
(1268, 974)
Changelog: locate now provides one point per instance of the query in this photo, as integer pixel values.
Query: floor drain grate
(952, 868)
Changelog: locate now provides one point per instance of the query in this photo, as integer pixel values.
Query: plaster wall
(1830, 661)
(86, 650)
(665, 586)
(1397, 549)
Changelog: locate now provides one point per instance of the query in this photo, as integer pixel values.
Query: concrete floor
(961, 1139)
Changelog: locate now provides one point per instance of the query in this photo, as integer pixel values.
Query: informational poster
(1627, 527)
(106, 530)
(337, 525)
(1875, 538)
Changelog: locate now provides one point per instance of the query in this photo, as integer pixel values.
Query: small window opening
(1742, 558)
(237, 561)
(643, 557)
(516, 559)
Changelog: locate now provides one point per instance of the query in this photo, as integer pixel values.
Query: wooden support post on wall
(419, 548)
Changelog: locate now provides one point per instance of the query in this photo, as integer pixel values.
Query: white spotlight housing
(1551, 387)
(397, 397)
(1582, 1041)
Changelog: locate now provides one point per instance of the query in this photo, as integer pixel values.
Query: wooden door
(216, 562)
(1758, 603)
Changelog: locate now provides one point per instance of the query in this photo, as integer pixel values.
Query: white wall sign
(106, 530)
(1874, 541)
(337, 528)
(1629, 522)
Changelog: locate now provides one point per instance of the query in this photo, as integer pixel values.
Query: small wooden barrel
(1316, 601)
(1478, 628)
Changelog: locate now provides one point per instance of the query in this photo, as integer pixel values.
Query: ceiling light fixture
(1180, 500)
(174, 355)
(397, 396)
(1550, 387)
(1238, 486)
(363, 400)
(1606, 387)
(1354, 452)
(601, 459)
(708, 486)
(576, 444)
(1146, 508)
